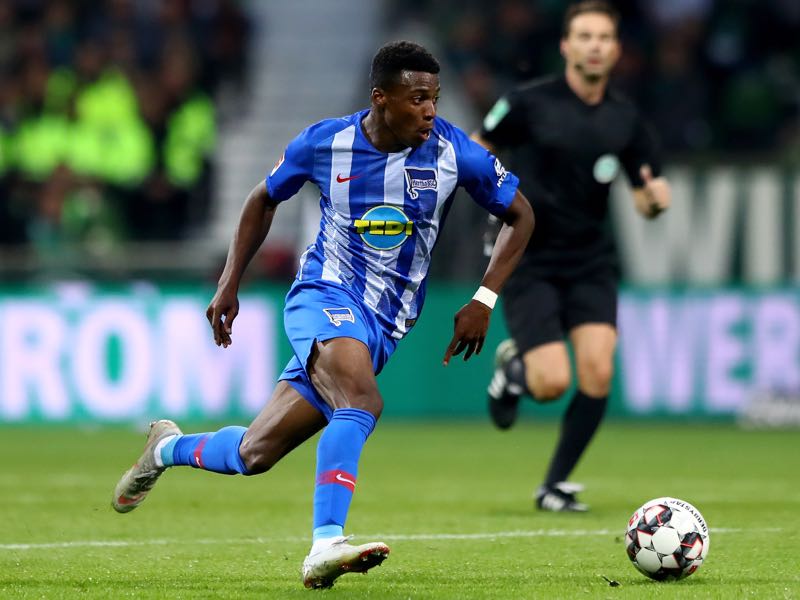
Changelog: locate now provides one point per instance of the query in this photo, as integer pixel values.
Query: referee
(567, 137)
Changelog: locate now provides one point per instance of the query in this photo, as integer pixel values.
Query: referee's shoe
(560, 497)
(504, 391)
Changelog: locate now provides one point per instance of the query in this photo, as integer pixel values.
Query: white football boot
(137, 481)
(331, 558)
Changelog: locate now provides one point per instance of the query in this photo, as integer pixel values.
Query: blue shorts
(321, 310)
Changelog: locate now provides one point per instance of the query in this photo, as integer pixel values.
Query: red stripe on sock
(198, 451)
(338, 477)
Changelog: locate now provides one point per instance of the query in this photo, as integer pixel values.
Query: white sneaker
(329, 560)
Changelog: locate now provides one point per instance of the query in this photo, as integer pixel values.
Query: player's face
(410, 107)
(591, 47)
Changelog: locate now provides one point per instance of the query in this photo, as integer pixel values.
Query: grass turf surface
(453, 501)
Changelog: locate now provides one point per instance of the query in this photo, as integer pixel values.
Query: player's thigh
(594, 345)
(339, 346)
(547, 370)
(284, 423)
(341, 370)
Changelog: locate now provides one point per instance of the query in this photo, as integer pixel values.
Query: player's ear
(378, 97)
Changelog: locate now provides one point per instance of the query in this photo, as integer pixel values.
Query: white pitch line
(389, 536)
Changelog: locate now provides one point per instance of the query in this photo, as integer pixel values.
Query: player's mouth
(425, 133)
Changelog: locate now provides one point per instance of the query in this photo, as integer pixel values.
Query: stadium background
(130, 133)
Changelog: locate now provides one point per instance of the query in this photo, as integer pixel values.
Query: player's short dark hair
(395, 57)
(589, 6)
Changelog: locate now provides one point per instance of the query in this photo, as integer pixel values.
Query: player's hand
(471, 325)
(220, 313)
(656, 190)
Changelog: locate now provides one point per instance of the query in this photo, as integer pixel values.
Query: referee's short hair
(589, 6)
(395, 57)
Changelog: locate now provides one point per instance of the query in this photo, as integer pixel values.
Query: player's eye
(436, 100)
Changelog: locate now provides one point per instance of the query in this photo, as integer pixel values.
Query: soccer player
(567, 137)
(387, 177)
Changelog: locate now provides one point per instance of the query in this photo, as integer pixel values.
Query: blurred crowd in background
(110, 109)
(107, 117)
(719, 77)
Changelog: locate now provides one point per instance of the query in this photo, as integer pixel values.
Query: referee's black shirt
(566, 154)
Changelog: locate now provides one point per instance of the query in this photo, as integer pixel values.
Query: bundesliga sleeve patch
(278, 164)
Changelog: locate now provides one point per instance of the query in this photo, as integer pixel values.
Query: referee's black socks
(580, 422)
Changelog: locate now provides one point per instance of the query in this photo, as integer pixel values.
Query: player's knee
(547, 386)
(256, 457)
(359, 392)
(370, 401)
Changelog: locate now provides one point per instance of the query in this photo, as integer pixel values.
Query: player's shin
(217, 451)
(338, 453)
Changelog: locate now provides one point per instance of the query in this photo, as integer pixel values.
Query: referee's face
(410, 107)
(591, 46)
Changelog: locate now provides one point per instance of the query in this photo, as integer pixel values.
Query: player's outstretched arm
(518, 222)
(472, 321)
(254, 224)
(654, 196)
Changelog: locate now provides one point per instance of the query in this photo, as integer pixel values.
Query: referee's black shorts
(544, 307)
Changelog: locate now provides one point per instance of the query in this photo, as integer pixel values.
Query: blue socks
(337, 467)
(218, 451)
(337, 462)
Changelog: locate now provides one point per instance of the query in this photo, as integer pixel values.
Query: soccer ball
(667, 539)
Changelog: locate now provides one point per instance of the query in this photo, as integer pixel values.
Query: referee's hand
(656, 190)
(470, 327)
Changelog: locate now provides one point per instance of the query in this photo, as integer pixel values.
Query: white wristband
(485, 296)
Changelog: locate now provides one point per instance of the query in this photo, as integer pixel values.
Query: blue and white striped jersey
(382, 213)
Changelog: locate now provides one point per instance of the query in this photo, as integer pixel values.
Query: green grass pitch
(452, 500)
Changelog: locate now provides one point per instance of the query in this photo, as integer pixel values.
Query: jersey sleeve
(293, 169)
(643, 149)
(483, 175)
(505, 125)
